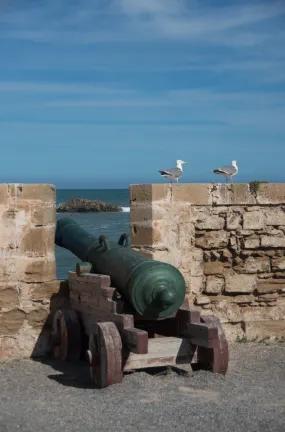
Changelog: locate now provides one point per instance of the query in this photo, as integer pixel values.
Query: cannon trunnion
(116, 326)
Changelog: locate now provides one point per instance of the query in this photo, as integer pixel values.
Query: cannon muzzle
(153, 288)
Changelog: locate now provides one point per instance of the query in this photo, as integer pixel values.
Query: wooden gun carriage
(108, 330)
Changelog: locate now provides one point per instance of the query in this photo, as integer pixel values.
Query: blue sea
(110, 224)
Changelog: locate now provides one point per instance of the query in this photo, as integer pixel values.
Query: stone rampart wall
(229, 243)
(27, 267)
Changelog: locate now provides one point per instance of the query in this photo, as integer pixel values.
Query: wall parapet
(229, 243)
(27, 268)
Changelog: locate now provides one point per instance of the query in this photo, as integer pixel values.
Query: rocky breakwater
(84, 205)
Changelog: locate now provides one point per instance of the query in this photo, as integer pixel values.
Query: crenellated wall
(229, 243)
(27, 267)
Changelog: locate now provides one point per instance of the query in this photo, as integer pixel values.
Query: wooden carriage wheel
(214, 359)
(66, 335)
(105, 355)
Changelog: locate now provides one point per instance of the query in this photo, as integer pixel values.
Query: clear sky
(103, 93)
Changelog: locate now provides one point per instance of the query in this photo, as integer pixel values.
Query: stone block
(272, 241)
(144, 213)
(196, 285)
(38, 241)
(45, 193)
(214, 268)
(251, 243)
(202, 300)
(236, 299)
(253, 220)
(239, 283)
(233, 221)
(144, 234)
(270, 286)
(275, 216)
(195, 267)
(11, 322)
(37, 317)
(278, 263)
(271, 193)
(149, 193)
(38, 270)
(195, 194)
(203, 218)
(4, 194)
(214, 285)
(43, 291)
(254, 265)
(9, 298)
(264, 328)
(212, 240)
(232, 194)
(41, 216)
(267, 297)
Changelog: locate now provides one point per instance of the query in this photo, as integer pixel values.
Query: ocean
(110, 224)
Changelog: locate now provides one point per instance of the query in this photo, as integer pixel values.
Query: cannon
(127, 312)
(154, 289)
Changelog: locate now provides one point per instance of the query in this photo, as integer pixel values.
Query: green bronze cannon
(154, 289)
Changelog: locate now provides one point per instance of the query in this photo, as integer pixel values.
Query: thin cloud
(59, 88)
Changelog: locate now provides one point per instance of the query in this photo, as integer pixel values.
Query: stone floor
(47, 397)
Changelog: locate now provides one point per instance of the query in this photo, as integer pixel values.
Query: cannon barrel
(153, 288)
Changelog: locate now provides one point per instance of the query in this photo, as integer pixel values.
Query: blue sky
(104, 93)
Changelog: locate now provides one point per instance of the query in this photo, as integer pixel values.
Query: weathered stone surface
(212, 239)
(228, 236)
(270, 286)
(275, 216)
(233, 221)
(236, 194)
(8, 298)
(253, 220)
(214, 285)
(239, 283)
(38, 270)
(11, 322)
(267, 297)
(272, 241)
(143, 234)
(38, 241)
(214, 268)
(42, 291)
(37, 317)
(195, 194)
(4, 194)
(242, 299)
(252, 243)
(254, 265)
(271, 193)
(278, 263)
(202, 300)
(203, 218)
(264, 328)
(42, 216)
(196, 285)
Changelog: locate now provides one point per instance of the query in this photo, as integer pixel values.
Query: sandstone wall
(229, 243)
(27, 267)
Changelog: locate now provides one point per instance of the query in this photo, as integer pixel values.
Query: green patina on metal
(154, 289)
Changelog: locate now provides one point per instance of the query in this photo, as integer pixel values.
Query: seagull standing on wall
(228, 171)
(174, 173)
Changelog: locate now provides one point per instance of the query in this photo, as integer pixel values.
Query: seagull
(228, 171)
(173, 173)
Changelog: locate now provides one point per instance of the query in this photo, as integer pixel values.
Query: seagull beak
(185, 162)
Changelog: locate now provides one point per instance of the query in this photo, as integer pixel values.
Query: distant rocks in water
(84, 205)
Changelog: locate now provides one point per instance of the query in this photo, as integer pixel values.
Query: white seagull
(174, 173)
(228, 171)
